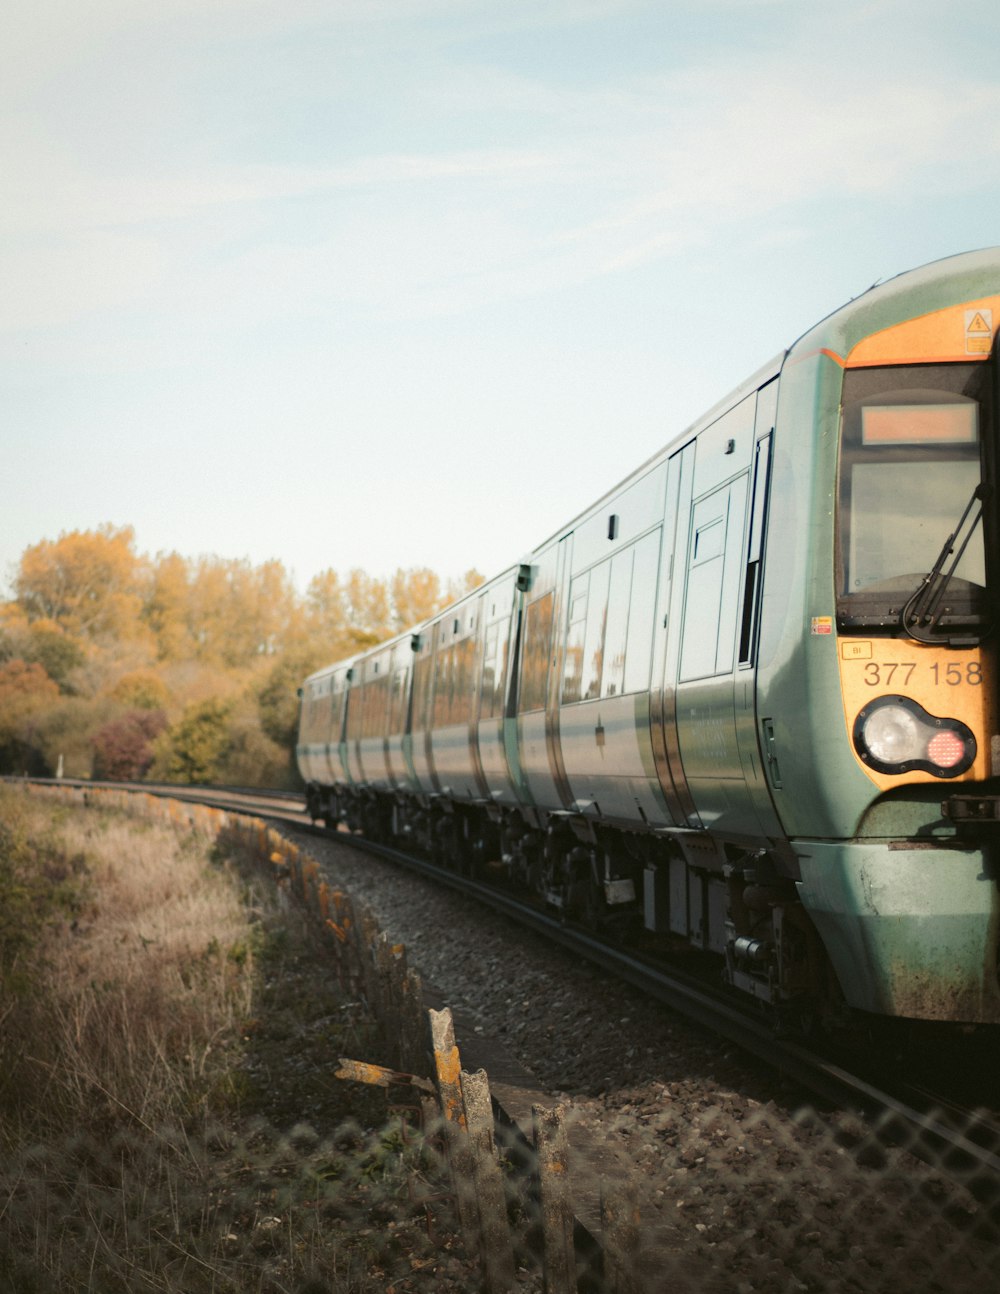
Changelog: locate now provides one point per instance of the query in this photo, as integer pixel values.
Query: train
(746, 702)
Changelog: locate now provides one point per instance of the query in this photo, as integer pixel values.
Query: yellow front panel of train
(946, 683)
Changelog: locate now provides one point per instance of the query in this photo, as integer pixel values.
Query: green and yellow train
(748, 699)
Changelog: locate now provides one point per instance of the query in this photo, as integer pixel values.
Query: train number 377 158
(899, 673)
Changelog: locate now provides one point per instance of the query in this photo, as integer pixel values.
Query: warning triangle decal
(979, 324)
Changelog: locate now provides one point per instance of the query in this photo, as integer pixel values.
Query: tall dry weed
(134, 990)
(153, 1145)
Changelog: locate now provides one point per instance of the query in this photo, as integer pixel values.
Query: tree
(51, 647)
(278, 698)
(123, 748)
(40, 642)
(87, 581)
(237, 613)
(253, 759)
(166, 609)
(457, 588)
(193, 750)
(369, 615)
(416, 595)
(65, 730)
(25, 691)
(140, 690)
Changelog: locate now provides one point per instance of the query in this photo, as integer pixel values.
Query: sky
(402, 283)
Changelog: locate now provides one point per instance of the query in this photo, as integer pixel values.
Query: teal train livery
(747, 701)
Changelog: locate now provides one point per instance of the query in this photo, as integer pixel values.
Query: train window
(597, 619)
(616, 623)
(573, 668)
(909, 465)
(537, 645)
(375, 712)
(463, 670)
(492, 696)
(610, 635)
(642, 613)
(444, 683)
(709, 632)
(400, 688)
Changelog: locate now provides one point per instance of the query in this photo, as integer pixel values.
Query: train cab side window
(910, 461)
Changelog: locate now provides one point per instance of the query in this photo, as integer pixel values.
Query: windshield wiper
(922, 612)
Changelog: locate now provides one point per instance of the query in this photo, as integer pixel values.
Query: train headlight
(893, 734)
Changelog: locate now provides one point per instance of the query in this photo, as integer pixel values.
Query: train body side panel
(535, 682)
(608, 758)
(397, 745)
(457, 680)
(609, 634)
(454, 764)
(421, 710)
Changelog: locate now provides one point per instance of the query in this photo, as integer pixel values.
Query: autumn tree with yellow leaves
(113, 662)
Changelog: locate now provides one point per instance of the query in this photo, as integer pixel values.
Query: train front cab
(891, 691)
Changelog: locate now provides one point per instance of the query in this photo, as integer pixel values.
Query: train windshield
(910, 462)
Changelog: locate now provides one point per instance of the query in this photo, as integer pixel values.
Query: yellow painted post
(447, 1066)
(448, 1073)
(360, 1071)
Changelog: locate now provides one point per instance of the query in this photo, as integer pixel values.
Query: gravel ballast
(740, 1185)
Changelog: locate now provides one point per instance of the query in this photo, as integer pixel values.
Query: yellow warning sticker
(822, 625)
(978, 331)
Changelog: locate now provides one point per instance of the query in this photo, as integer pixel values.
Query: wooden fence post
(448, 1070)
(620, 1237)
(365, 933)
(494, 1228)
(559, 1255)
(413, 1043)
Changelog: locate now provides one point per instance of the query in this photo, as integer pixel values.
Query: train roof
(935, 286)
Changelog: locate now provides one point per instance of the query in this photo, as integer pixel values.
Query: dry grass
(167, 1120)
(135, 985)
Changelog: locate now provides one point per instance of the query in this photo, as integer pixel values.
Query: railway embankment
(169, 1120)
(713, 1172)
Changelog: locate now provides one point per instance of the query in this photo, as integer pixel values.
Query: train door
(536, 737)
(745, 681)
(498, 600)
(421, 710)
(714, 582)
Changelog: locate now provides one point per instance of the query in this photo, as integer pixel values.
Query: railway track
(963, 1142)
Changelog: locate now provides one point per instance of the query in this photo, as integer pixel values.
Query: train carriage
(747, 700)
